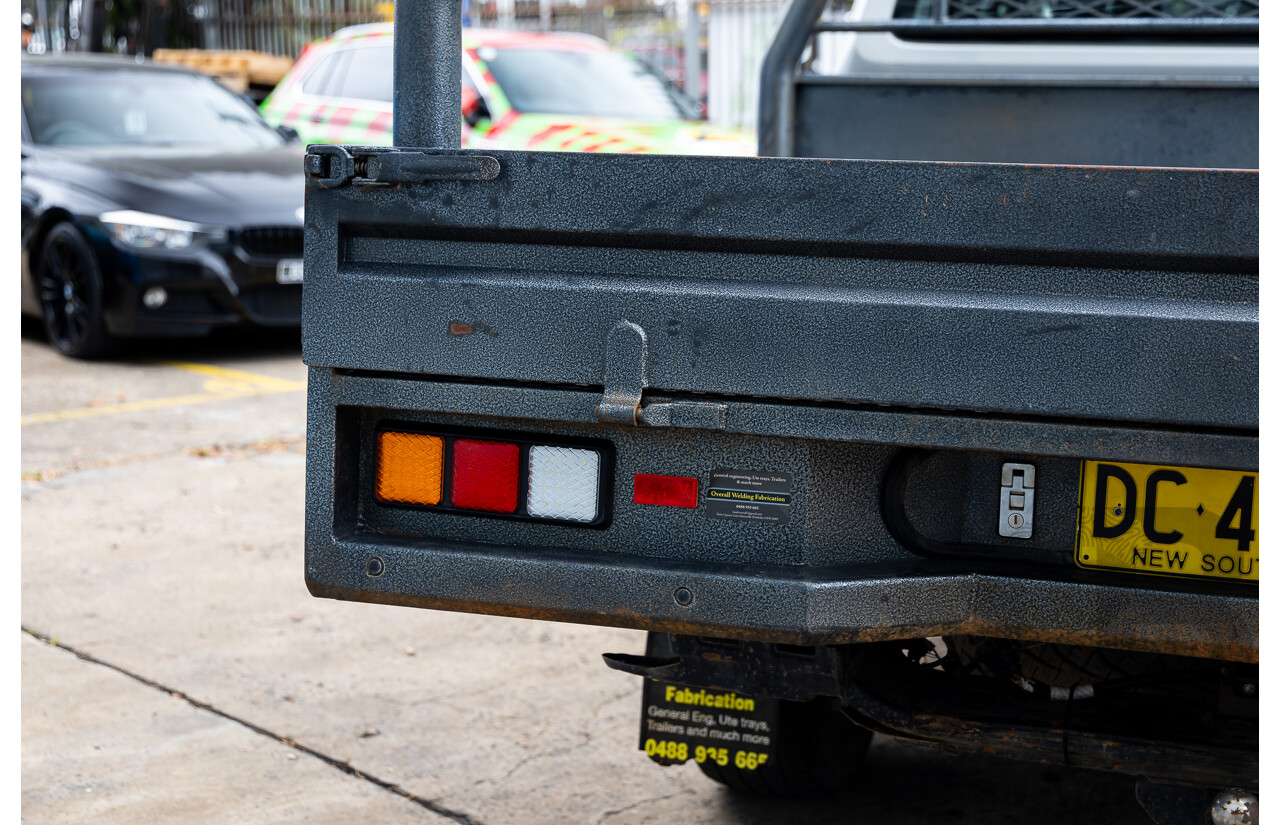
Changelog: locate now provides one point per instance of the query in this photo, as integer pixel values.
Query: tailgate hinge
(332, 166)
(694, 415)
(626, 360)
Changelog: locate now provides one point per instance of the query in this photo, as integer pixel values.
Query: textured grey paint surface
(849, 586)
(427, 72)
(796, 605)
(837, 311)
(1068, 292)
(1105, 124)
(827, 423)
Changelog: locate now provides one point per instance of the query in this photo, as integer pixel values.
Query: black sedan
(154, 203)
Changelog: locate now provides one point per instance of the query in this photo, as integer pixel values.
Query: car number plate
(1169, 521)
(289, 272)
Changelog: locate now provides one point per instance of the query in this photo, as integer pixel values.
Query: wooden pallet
(236, 70)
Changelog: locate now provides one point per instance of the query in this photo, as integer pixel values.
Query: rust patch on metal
(470, 327)
(1176, 641)
(1183, 644)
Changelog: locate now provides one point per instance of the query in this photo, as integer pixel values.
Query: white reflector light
(563, 483)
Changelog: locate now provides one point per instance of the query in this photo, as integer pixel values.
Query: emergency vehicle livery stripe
(318, 121)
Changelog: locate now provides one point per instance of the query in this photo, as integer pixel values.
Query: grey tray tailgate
(1077, 292)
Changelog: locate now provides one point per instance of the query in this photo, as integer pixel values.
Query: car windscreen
(138, 108)
(579, 82)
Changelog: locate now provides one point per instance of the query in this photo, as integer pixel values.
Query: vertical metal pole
(142, 41)
(427, 107)
(776, 122)
(544, 15)
(692, 53)
(212, 18)
(42, 11)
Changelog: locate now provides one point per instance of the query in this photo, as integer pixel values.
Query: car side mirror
(474, 109)
(289, 133)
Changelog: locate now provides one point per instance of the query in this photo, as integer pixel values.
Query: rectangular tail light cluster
(503, 475)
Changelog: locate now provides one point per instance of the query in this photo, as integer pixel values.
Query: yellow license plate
(1169, 521)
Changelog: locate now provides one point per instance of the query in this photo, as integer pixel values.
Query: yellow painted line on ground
(238, 376)
(223, 384)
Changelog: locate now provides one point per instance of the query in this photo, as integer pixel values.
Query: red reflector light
(669, 491)
(485, 475)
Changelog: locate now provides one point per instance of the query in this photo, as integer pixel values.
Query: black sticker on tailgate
(682, 723)
(750, 495)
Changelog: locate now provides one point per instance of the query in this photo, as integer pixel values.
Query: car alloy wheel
(70, 289)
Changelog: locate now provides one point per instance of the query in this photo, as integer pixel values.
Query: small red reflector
(669, 491)
(485, 475)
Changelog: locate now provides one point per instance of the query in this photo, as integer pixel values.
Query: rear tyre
(819, 751)
(71, 294)
(1059, 665)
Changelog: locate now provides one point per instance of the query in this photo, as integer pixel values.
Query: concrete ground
(175, 669)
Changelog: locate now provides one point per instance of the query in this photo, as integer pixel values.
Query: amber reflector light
(410, 468)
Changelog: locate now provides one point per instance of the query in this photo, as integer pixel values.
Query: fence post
(42, 11)
(212, 14)
(692, 52)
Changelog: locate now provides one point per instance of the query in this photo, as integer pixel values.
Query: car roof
(493, 38)
(96, 62)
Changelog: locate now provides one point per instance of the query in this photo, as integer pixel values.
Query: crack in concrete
(430, 804)
(588, 738)
(634, 805)
(595, 712)
(532, 757)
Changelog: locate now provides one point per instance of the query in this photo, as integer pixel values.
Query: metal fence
(140, 27)
(723, 40)
(738, 35)
(283, 26)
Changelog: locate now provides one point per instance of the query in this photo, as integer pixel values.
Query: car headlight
(158, 232)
